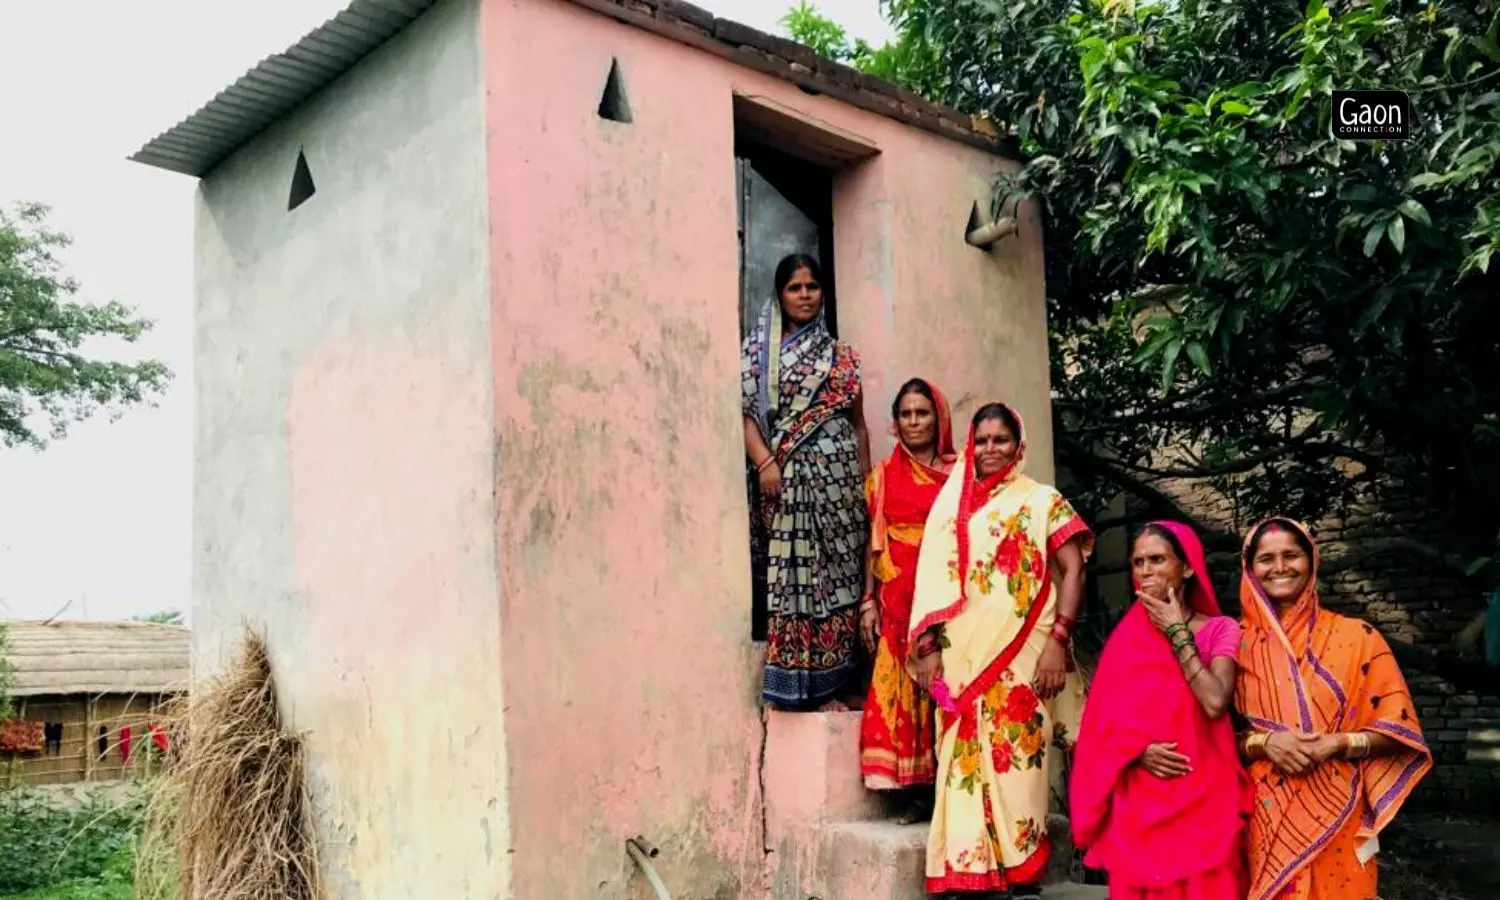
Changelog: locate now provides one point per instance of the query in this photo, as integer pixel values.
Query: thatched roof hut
(97, 658)
(94, 690)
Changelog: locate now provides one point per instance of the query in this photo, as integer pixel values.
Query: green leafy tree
(51, 373)
(909, 60)
(1233, 292)
(164, 617)
(6, 675)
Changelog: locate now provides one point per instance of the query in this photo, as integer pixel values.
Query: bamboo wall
(79, 757)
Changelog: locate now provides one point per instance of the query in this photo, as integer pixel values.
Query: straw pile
(230, 818)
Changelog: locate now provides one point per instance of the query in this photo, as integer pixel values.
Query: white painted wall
(343, 465)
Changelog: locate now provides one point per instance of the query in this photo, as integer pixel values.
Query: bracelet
(765, 463)
(1356, 745)
(1066, 621)
(1256, 739)
(867, 602)
(1174, 628)
(1061, 635)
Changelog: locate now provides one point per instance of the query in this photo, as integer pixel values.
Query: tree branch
(1173, 411)
(1075, 458)
(1305, 449)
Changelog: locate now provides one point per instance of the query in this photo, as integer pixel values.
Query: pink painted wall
(631, 687)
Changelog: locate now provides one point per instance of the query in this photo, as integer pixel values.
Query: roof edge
(277, 85)
(790, 61)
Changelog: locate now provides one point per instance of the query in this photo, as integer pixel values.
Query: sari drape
(1311, 837)
(800, 391)
(1167, 837)
(896, 730)
(984, 576)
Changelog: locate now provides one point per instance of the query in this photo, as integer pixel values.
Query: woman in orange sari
(999, 586)
(1334, 746)
(896, 734)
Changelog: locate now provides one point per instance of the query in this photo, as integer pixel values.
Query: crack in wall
(760, 768)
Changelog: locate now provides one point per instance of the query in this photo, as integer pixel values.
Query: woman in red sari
(896, 736)
(1158, 797)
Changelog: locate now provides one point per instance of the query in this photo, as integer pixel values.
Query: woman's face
(995, 445)
(802, 298)
(1281, 566)
(1157, 568)
(916, 422)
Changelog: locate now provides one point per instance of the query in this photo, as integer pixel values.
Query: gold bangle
(1358, 745)
(1257, 739)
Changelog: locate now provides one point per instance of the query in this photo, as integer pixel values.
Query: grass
(114, 882)
(52, 849)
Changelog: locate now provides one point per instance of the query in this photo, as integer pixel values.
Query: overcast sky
(99, 524)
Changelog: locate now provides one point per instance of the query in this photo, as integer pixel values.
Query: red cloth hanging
(125, 744)
(158, 736)
(22, 736)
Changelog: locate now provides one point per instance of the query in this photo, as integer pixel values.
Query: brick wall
(1365, 574)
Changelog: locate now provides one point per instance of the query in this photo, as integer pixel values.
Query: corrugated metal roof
(277, 85)
(80, 657)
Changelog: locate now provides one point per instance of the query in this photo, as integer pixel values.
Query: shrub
(43, 842)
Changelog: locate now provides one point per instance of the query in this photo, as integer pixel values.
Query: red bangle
(1060, 634)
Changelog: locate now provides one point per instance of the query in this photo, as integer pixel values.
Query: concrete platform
(831, 839)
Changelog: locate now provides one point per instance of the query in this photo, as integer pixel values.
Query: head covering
(1145, 829)
(767, 348)
(946, 450)
(976, 492)
(1293, 629)
(1200, 595)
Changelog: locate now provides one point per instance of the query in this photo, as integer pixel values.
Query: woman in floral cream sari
(896, 734)
(999, 585)
(1334, 747)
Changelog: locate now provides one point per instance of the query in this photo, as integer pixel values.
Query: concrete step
(873, 861)
(812, 773)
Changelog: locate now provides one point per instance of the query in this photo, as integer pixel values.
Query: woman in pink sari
(1158, 796)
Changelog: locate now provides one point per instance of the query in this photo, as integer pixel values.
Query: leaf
(1153, 345)
(1372, 238)
(1396, 228)
(1376, 308)
(1199, 356)
(1236, 108)
(1478, 565)
(1416, 212)
(1169, 363)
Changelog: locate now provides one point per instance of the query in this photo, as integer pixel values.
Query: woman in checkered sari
(807, 444)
